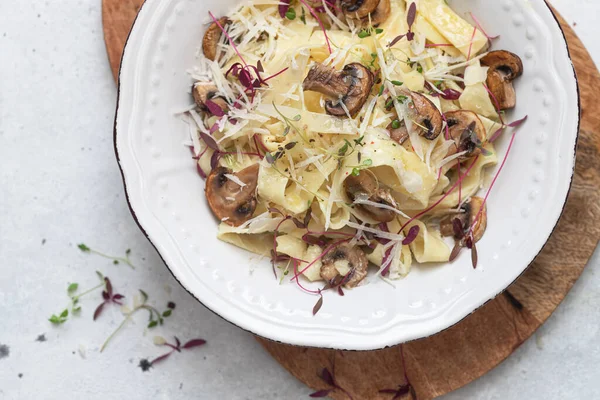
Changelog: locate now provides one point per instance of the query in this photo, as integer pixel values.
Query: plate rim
(573, 159)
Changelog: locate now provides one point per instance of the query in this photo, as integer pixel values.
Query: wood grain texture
(464, 352)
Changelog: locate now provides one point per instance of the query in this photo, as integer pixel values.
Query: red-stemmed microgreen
(410, 20)
(314, 14)
(329, 378)
(500, 130)
(109, 297)
(413, 233)
(471, 43)
(116, 260)
(434, 205)
(490, 38)
(75, 307)
(404, 388)
(177, 347)
(141, 303)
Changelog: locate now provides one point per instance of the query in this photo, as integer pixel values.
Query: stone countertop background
(60, 186)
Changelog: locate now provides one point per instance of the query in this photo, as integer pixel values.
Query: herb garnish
(115, 260)
(177, 347)
(410, 19)
(74, 306)
(404, 388)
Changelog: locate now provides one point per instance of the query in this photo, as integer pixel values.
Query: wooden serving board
(464, 352)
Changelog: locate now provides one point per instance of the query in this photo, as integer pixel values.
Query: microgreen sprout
(177, 347)
(109, 297)
(410, 19)
(140, 302)
(74, 306)
(116, 260)
(404, 388)
(289, 122)
(329, 378)
(366, 32)
(364, 165)
(290, 14)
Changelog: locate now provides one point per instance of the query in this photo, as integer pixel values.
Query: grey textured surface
(60, 185)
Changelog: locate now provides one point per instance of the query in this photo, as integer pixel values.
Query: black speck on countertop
(43, 241)
(4, 351)
(42, 337)
(20, 375)
(145, 364)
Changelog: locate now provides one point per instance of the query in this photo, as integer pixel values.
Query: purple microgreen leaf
(105, 295)
(161, 358)
(496, 134)
(307, 218)
(340, 291)
(410, 36)
(214, 128)
(259, 67)
(318, 305)
(214, 108)
(327, 377)
(320, 393)
(118, 297)
(194, 343)
(517, 123)
(455, 252)
(298, 224)
(178, 342)
(451, 94)
(457, 226)
(290, 145)
(214, 160)
(411, 15)
(395, 40)
(412, 233)
(474, 258)
(210, 142)
(109, 288)
(469, 242)
(98, 310)
(246, 79)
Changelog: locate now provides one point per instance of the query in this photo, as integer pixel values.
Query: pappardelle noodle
(341, 135)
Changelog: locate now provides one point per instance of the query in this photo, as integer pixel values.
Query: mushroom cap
(364, 184)
(504, 67)
(356, 261)
(231, 203)
(427, 116)
(351, 86)
(203, 92)
(212, 37)
(380, 15)
(467, 131)
(359, 9)
(467, 219)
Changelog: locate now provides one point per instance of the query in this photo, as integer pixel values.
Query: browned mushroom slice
(345, 260)
(231, 202)
(365, 186)
(467, 131)
(212, 37)
(380, 15)
(351, 86)
(505, 67)
(359, 9)
(203, 92)
(467, 219)
(428, 118)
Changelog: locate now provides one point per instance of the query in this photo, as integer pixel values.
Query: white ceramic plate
(166, 194)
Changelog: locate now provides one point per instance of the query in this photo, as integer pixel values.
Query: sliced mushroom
(203, 92)
(230, 202)
(351, 86)
(359, 9)
(505, 67)
(426, 117)
(347, 261)
(365, 186)
(467, 131)
(467, 219)
(212, 37)
(380, 15)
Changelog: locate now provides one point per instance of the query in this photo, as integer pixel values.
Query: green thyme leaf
(395, 124)
(83, 248)
(72, 287)
(397, 83)
(152, 324)
(291, 14)
(364, 33)
(167, 313)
